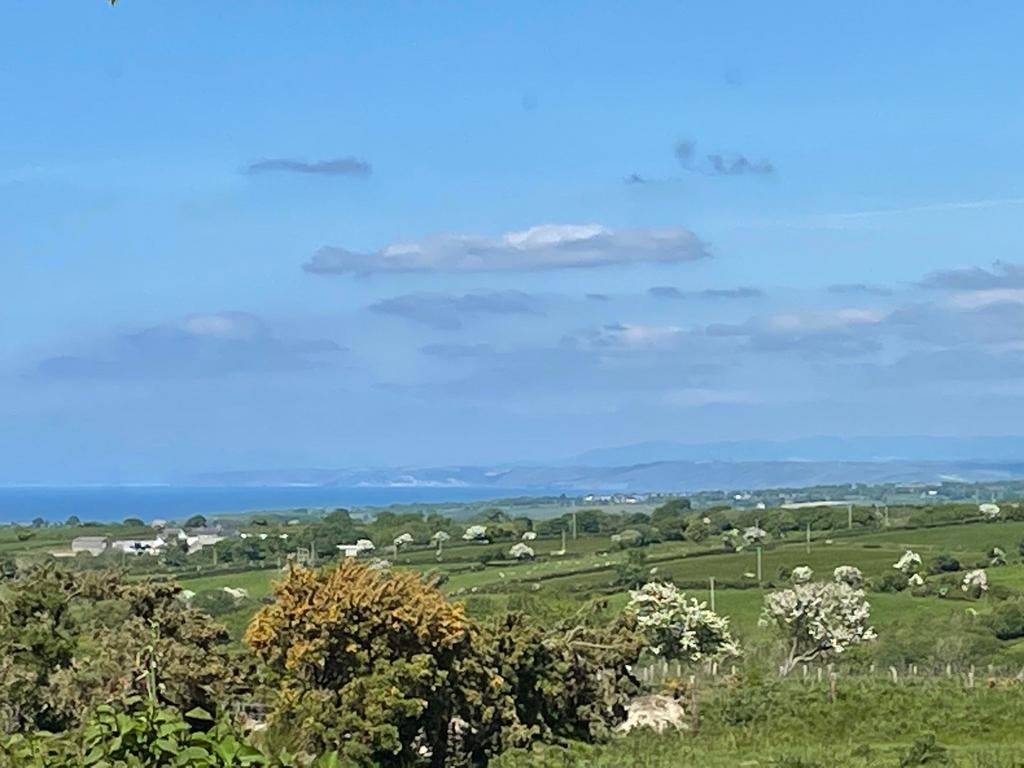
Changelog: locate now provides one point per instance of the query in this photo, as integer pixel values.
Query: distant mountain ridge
(817, 449)
(682, 476)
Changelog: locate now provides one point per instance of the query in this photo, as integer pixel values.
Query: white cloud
(985, 298)
(545, 247)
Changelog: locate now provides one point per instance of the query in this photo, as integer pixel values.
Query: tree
(521, 551)
(670, 518)
(381, 662)
(909, 562)
(69, 641)
(818, 620)
(133, 522)
(677, 627)
(72, 521)
(848, 574)
(196, 521)
(633, 573)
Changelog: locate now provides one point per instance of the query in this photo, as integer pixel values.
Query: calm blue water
(170, 503)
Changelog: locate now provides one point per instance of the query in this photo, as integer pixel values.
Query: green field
(589, 568)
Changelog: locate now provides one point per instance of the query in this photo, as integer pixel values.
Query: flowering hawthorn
(521, 552)
(818, 619)
(848, 574)
(909, 562)
(676, 626)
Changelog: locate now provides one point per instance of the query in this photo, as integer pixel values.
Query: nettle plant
(819, 619)
(679, 627)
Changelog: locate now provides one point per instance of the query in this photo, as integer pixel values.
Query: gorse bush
(383, 669)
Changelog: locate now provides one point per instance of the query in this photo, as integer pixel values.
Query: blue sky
(266, 234)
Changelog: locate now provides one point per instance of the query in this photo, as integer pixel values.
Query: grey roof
(89, 541)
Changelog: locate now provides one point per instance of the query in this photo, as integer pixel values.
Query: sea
(114, 503)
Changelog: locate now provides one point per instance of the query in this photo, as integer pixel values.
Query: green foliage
(670, 518)
(944, 563)
(891, 581)
(925, 751)
(634, 572)
(69, 641)
(1006, 621)
(137, 735)
(216, 602)
(380, 663)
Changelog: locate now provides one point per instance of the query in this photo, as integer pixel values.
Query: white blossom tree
(402, 541)
(521, 551)
(475, 533)
(802, 574)
(909, 562)
(818, 620)
(989, 511)
(679, 627)
(848, 574)
(975, 582)
(754, 535)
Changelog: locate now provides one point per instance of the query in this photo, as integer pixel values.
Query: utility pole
(711, 579)
(312, 552)
(574, 525)
(563, 539)
(808, 539)
(849, 516)
(758, 566)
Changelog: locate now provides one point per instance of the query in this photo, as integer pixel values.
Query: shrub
(944, 563)
(215, 602)
(1006, 621)
(891, 582)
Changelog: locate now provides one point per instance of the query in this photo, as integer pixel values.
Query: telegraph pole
(711, 579)
(759, 566)
(808, 539)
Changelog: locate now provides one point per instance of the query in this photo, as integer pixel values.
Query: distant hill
(816, 449)
(683, 476)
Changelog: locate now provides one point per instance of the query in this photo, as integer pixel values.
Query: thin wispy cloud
(848, 219)
(1002, 274)
(342, 166)
(450, 312)
(540, 248)
(199, 346)
(671, 292)
(664, 292)
(859, 289)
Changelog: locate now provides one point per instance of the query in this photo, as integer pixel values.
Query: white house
(139, 546)
(361, 547)
(196, 543)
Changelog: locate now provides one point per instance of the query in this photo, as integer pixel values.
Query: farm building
(91, 545)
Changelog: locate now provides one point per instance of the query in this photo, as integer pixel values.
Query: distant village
(191, 540)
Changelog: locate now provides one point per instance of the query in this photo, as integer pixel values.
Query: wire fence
(663, 672)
